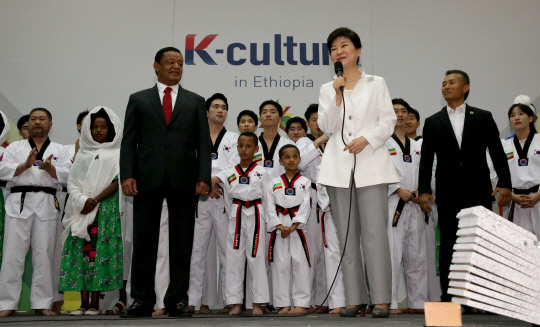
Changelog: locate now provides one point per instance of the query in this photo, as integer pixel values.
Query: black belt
(23, 189)
(518, 191)
(64, 189)
(314, 186)
(398, 212)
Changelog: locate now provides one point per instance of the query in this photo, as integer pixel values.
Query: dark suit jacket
(152, 150)
(462, 175)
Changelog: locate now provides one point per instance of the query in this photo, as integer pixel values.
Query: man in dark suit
(459, 135)
(165, 154)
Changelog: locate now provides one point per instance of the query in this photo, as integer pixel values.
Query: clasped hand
(526, 201)
(285, 231)
(357, 145)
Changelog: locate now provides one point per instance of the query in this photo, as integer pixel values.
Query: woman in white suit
(357, 168)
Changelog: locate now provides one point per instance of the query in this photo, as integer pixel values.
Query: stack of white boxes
(496, 266)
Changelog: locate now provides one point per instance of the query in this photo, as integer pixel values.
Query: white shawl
(94, 168)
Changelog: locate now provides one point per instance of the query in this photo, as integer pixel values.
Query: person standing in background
(413, 124)
(35, 169)
(22, 125)
(459, 136)
(356, 170)
(165, 153)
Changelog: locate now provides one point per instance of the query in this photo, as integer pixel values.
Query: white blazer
(368, 113)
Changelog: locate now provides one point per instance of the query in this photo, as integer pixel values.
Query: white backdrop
(68, 55)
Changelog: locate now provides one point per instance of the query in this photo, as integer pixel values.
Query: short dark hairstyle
(249, 113)
(41, 109)
(275, 104)
(295, 120)
(24, 119)
(527, 110)
(313, 108)
(464, 78)
(160, 53)
(403, 103)
(216, 96)
(252, 136)
(345, 32)
(415, 113)
(81, 116)
(285, 147)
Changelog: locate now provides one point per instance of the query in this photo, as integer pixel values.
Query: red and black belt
(303, 240)
(287, 211)
(292, 213)
(323, 228)
(247, 204)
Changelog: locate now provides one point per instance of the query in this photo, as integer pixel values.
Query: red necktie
(167, 104)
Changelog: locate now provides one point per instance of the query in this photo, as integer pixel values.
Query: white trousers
(316, 253)
(526, 218)
(434, 283)
(20, 234)
(408, 249)
(290, 267)
(211, 227)
(162, 263)
(236, 260)
(332, 256)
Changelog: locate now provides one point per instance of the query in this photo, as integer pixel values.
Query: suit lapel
(156, 103)
(445, 119)
(180, 100)
(469, 116)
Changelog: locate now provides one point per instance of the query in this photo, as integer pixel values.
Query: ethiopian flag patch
(257, 157)
(392, 151)
(509, 155)
(276, 187)
(231, 178)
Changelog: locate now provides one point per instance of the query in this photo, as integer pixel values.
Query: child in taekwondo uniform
(288, 206)
(407, 225)
(523, 157)
(244, 204)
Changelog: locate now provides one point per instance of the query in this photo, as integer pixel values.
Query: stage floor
(469, 320)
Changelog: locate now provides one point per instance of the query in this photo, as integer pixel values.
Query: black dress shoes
(381, 313)
(178, 309)
(353, 311)
(137, 310)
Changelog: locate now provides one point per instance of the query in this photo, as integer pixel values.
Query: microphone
(338, 68)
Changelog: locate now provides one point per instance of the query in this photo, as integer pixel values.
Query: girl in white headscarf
(92, 259)
(4, 130)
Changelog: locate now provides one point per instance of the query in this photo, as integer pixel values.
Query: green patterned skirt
(96, 265)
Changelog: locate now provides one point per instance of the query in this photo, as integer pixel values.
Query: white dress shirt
(457, 119)
(161, 89)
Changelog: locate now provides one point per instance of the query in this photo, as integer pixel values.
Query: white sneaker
(78, 312)
(92, 312)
